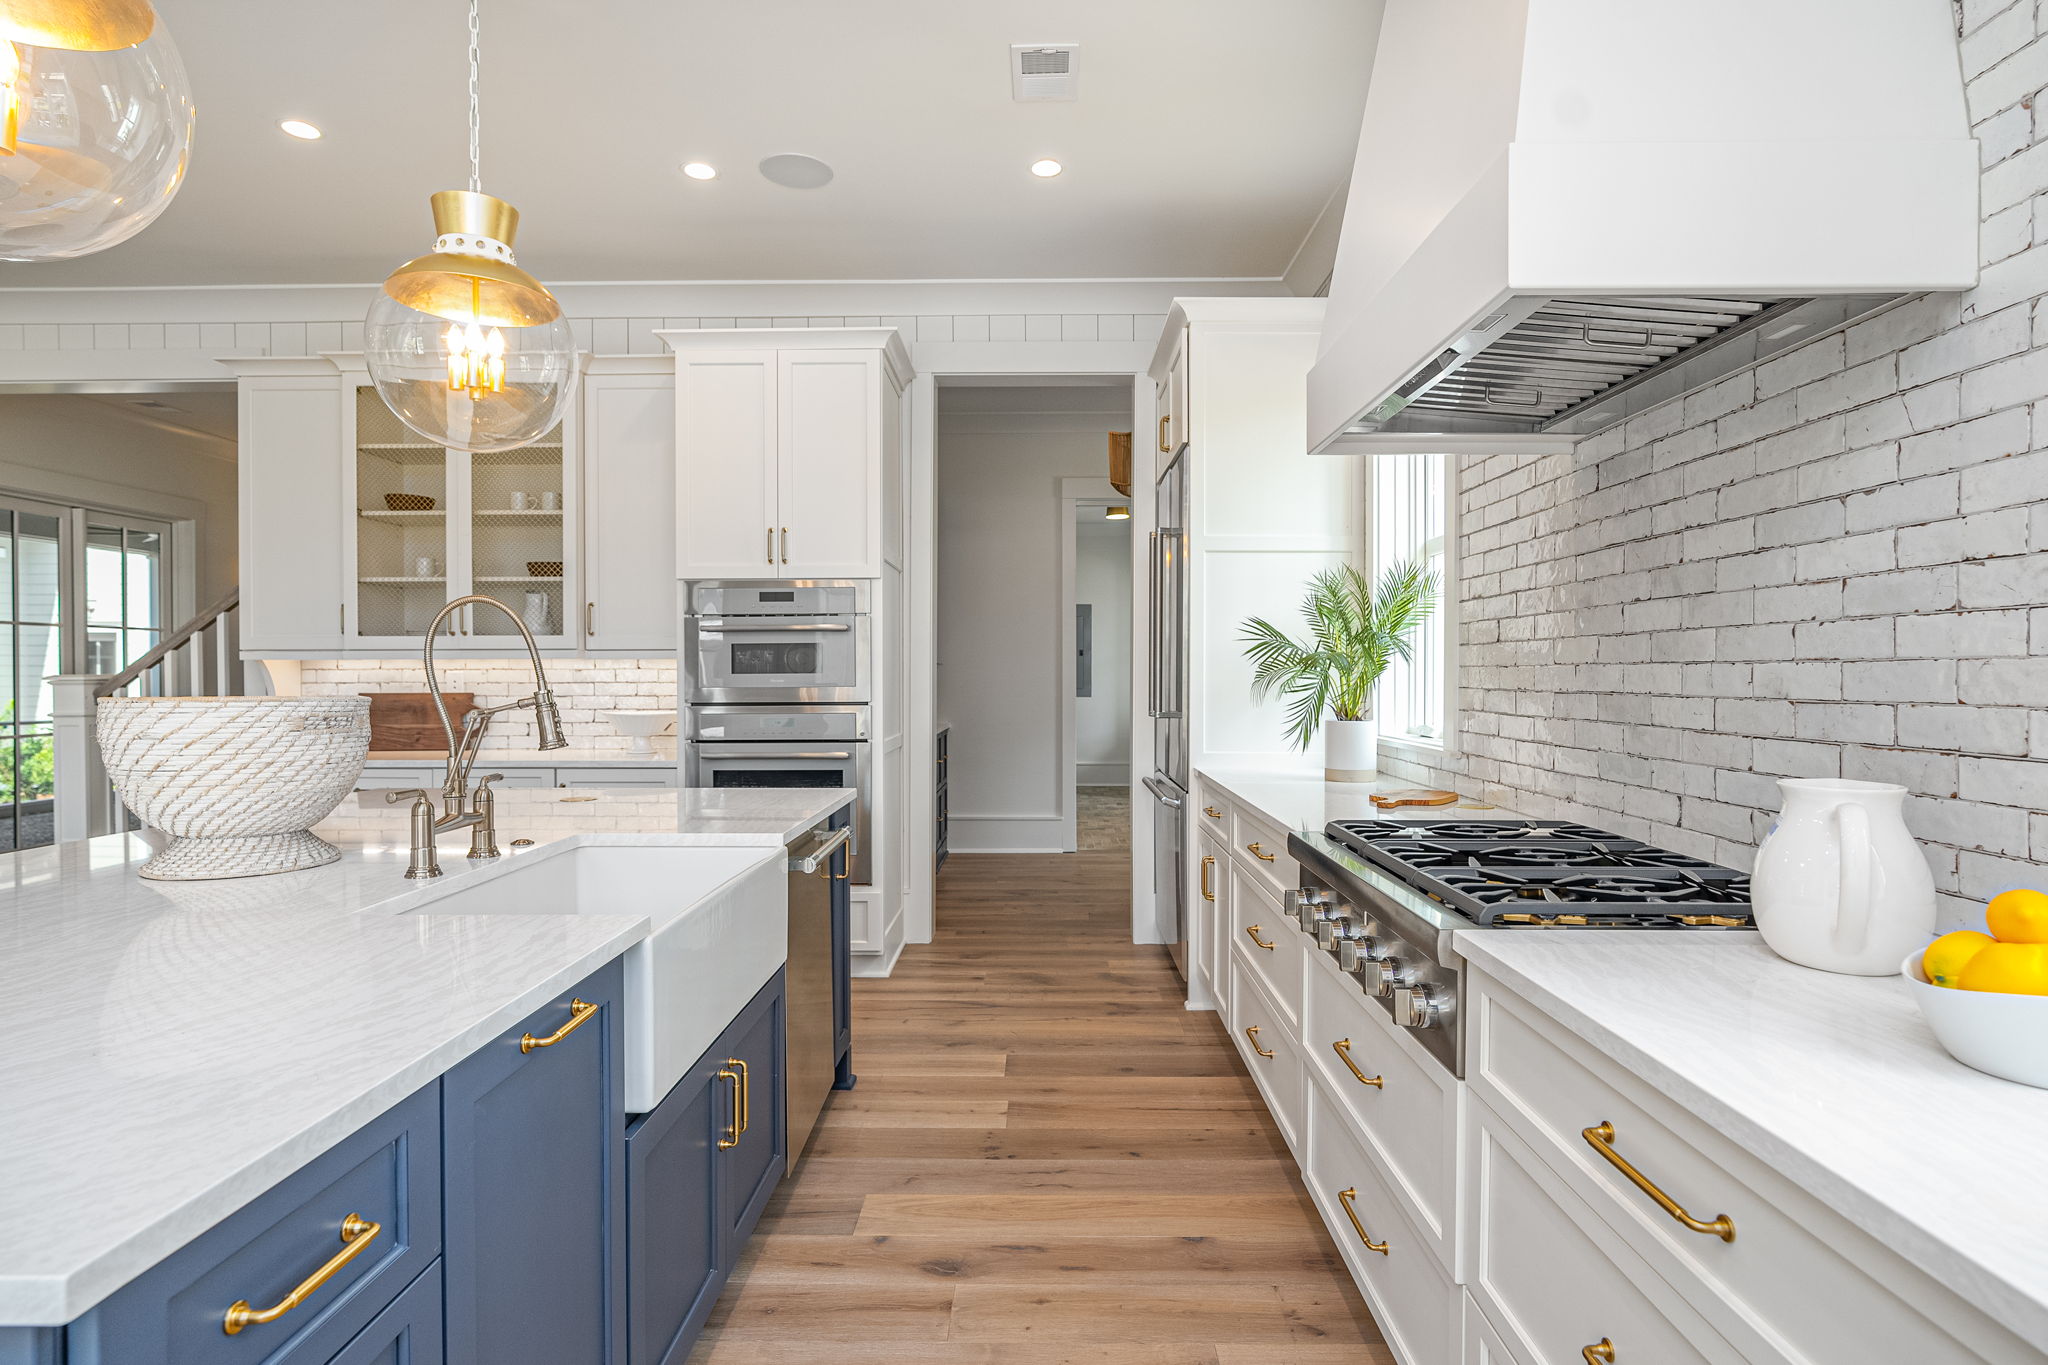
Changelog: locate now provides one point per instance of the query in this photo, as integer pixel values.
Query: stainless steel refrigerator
(1167, 694)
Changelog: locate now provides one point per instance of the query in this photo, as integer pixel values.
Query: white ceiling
(1208, 136)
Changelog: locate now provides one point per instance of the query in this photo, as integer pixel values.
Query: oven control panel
(1398, 969)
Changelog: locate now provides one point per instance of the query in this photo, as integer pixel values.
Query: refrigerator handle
(1159, 792)
(1155, 628)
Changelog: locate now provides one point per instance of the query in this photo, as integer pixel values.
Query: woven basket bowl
(237, 782)
(408, 502)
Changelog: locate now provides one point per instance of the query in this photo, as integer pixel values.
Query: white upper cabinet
(291, 472)
(780, 439)
(629, 500)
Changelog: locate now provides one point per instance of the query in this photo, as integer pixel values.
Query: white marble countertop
(176, 1048)
(1303, 801)
(1834, 1081)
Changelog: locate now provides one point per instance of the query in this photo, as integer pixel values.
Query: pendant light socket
(470, 275)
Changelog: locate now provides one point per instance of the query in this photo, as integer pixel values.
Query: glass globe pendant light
(468, 350)
(95, 125)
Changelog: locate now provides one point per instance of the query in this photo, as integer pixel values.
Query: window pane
(37, 773)
(1410, 501)
(103, 651)
(104, 595)
(145, 559)
(37, 650)
(41, 564)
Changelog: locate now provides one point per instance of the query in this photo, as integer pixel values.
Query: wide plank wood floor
(1047, 1161)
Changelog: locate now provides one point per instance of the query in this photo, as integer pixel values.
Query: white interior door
(725, 465)
(830, 444)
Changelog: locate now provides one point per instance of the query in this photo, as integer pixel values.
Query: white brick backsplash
(585, 689)
(1831, 564)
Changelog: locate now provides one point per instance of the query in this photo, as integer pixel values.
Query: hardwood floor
(1047, 1161)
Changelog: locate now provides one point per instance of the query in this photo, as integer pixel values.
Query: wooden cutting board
(405, 722)
(1388, 800)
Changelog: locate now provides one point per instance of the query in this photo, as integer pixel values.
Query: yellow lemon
(1946, 957)
(2009, 968)
(2018, 917)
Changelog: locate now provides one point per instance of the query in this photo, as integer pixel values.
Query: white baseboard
(1005, 834)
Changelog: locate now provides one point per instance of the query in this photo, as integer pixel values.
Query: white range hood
(1564, 211)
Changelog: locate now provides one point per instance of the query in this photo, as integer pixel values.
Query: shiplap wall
(1834, 564)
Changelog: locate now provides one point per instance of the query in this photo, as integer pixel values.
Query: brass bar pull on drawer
(1600, 1352)
(1342, 1047)
(1253, 1034)
(746, 1095)
(1345, 1197)
(731, 1139)
(1258, 852)
(1253, 930)
(1208, 863)
(1600, 1138)
(579, 1014)
(1212, 812)
(357, 1233)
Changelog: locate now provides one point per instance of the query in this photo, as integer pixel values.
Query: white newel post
(83, 805)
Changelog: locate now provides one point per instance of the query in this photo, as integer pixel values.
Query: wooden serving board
(1416, 796)
(404, 722)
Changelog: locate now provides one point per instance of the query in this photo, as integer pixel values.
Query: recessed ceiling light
(299, 128)
(700, 170)
(1046, 169)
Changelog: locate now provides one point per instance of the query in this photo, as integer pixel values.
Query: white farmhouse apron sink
(719, 931)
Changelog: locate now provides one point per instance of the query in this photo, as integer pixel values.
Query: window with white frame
(1410, 520)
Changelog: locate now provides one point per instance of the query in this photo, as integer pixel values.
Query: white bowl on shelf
(237, 782)
(640, 727)
(1996, 1033)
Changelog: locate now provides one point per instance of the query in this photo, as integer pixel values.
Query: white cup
(424, 567)
(551, 501)
(519, 501)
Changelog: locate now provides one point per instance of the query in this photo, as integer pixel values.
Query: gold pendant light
(466, 348)
(95, 125)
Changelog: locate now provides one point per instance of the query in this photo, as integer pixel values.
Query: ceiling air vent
(1044, 71)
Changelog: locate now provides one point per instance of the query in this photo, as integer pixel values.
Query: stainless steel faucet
(459, 809)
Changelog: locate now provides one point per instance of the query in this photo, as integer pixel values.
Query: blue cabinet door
(699, 1170)
(750, 1169)
(406, 1333)
(533, 1174)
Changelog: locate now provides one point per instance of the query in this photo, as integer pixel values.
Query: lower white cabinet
(1266, 1041)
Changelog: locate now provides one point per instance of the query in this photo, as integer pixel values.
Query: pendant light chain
(476, 176)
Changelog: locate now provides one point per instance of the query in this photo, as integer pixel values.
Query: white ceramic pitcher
(1840, 883)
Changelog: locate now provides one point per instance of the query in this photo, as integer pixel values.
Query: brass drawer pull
(1253, 1034)
(1600, 1352)
(1164, 448)
(1207, 863)
(357, 1233)
(746, 1095)
(1253, 930)
(1212, 812)
(579, 1015)
(1345, 1197)
(732, 1138)
(1342, 1047)
(1258, 852)
(1600, 1138)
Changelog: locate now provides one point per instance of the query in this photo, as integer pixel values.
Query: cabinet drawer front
(1209, 897)
(406, 1333)
(1413, 1300)
(1409, 1119)
(386, 1174)
(1786, 1287)
(1544, 1279)
(1256, 920)
(1268, 860)
(1484, 1345)
(650, 776)
(1279, 1076)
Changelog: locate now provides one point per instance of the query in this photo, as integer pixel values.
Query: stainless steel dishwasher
(812, 980)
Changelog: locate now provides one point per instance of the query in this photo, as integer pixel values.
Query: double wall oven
(776, 689)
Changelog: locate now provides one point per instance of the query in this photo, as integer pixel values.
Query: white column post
(83, 806)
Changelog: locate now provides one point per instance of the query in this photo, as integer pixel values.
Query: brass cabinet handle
(1258, 852)
(1164, 448)
(357, 1233)
(1600, 1352)
(771, 545)
(1345, 1197)
(785, 545)
(1207, 863)
(746, 1095)
(1253, 931)
(1253, 1034)
(1600, 1138)
(590, 618)
(1212, 812)
(579, 1015)
(731, 1139)
(1342, 1047)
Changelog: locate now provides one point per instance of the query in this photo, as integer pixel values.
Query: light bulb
(93, 143)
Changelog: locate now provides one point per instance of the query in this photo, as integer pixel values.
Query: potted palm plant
(1356, 628)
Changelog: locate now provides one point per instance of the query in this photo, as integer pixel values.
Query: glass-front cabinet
(432, 524)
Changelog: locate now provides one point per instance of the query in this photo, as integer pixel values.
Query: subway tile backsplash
(584, 690)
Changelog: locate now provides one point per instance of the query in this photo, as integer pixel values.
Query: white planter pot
(1839, 883)
(1351, 750)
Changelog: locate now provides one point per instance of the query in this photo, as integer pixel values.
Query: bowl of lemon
(1986, 995)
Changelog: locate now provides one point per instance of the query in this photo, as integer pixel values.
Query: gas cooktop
(1551, 874)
